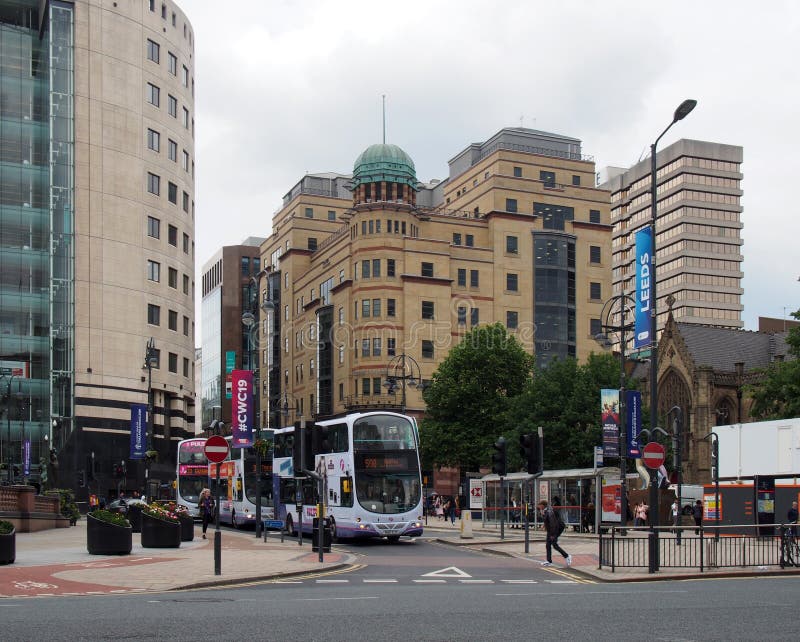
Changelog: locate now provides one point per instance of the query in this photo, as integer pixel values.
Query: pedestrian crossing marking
(431, 581)
(519, 581)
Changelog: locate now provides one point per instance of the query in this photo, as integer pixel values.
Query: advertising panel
(138, 430)
(242, 408)
(609, 407)
(633, 422)
(610, 497)
(230, 364)
(641, 335)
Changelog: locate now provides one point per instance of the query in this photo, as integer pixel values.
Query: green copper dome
(382, 162)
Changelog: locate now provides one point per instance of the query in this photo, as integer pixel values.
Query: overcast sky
(285, 88)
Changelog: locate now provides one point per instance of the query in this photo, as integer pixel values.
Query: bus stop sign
(653, 455)
(216, 449)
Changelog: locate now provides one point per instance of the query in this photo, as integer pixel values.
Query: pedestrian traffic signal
(714, 457)
(531, 453)
(499, 457)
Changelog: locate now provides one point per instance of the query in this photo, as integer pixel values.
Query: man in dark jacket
(553, 529)
(697, 513)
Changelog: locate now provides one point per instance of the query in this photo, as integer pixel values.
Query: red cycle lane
(40, 581)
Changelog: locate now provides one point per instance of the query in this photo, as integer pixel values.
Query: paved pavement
(56, 562)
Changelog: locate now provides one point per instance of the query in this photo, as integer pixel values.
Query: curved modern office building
(97, 229)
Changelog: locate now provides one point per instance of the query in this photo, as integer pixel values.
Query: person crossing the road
(554, 526)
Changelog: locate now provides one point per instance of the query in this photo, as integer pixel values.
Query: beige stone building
(374, 276)
(98, 232)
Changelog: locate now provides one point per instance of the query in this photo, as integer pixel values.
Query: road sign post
(216, 451)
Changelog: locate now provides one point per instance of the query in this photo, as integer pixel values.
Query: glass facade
(211, 383)
(554, 296)
(36, 215)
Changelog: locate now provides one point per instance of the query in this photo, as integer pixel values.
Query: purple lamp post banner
(609, 407)
(242, 408)
(138, 430)
(641, 335)
(633, 421)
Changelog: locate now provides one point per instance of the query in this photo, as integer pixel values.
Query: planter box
(8, 547)
(104, 538)
(187, 529)
(157, 533)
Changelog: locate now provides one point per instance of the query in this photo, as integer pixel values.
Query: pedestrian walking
(792, 516)
(554, 526)
(451, 510)
(206, 507)
(697, 513)
(640, 514)
(675, 515)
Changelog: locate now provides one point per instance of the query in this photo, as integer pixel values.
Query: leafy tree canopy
(470, 390)
(777, 395)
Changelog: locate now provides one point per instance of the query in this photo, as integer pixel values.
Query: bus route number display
(378, 461)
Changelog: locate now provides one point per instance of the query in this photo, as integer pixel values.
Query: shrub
(111, 517)
(5, 527)
(69, 508)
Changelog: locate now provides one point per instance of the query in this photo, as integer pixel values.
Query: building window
(172, 277)
(153, 95)
(172, 192)
(365, 303)
(511, 282)
(595, 327)
(594, 254)
(172, 235)
(172, 63)
(365, 383)
(547, 178)
(341, 354)
(390, 267)
(173, 320)
(153, 183)
(376, 307)
(185, 326)
(153, 140)
(427, 349)
(376, 347)
(553, 216)
(427, 309)
(185, 161)
(153, 227)
(341, 315)
(462, 315)
(576, 180)
(473, 278)
(185, 243)
(153, 314)
(186, 202)
(172, 150)
(153, 51)
(511, 205)
(595, 291)
(365, 269)
(185, 118)
(364, 347)
(427, 269)
(517, 172)
(153, 271)
(470, 240)
(376, 268)
(163, 11)
(309, 212)
(461, 278)
(172, 106)
(185, 367)
(391, 346)
(152, 5)
(186, 284)
(474, 317)
(512, 245)
(390, 307)
(456, 238)
(594, 216)
(331, 215)
(512, 318)
(173, 362)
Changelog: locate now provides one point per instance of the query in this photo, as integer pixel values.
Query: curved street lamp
(624, 302)
(150, 362)
(405, 369)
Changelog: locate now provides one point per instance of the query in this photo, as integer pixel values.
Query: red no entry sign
(216, 449)
(653, 455)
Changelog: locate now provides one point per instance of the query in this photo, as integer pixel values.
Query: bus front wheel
(289, 526)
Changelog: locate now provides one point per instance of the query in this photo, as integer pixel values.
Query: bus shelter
(575, 493)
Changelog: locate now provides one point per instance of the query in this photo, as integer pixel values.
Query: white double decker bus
(370, 466)
(192, 473)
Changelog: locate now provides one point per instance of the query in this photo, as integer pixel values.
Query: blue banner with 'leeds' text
(138, 430)
(644, 266)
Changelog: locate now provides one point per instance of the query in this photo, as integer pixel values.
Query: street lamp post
(677, 437)
(298, 499)
(406, 369)
(715, 462)
(150, 361)
(7, 399)
(608, 307)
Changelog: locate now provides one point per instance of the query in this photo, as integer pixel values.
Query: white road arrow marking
(450, 571)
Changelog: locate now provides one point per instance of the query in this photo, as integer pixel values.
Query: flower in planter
(6, 527)
(111, 517)
(160, 512)
(178, 509)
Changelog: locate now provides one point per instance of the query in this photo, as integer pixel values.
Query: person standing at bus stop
(206, 506)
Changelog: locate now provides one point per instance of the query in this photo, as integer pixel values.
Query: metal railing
(698, 548)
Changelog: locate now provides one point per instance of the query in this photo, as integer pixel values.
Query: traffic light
(82, 478)
(531, 453)
(499, 457)
(715, 458)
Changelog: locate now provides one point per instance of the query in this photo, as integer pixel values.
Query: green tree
(470, 390)
(777, 395)
(564, 399)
